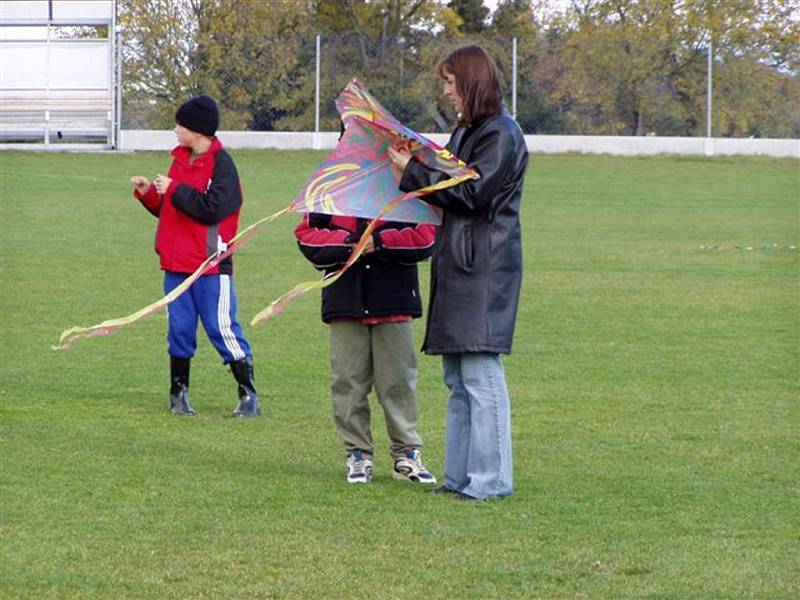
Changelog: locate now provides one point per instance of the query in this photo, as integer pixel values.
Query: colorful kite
(356, 179)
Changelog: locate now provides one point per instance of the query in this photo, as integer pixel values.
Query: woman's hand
(162, 184)
(140, 183)
(399, 158)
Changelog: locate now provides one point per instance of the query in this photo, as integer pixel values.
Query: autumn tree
(524, 20)
(386, 43)
(515, 18)
(158, 45)
(756, 68)
(473, 15)
(623, 59)
(245, 54)
(633, 67)
(603, 66)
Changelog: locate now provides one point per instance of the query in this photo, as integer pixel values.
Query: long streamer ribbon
(279, 305)
(112, 325)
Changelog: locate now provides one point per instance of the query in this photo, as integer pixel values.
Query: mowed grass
(654, 386)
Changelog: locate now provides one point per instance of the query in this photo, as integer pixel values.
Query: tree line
(610, 67)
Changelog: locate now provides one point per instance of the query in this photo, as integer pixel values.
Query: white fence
(139, 139)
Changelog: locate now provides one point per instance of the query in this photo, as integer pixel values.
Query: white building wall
(545, 144)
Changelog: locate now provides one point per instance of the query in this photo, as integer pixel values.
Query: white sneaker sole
(412, 478)
(359, 481)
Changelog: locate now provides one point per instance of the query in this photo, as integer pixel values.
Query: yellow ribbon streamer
(277, 306)
(110, 326)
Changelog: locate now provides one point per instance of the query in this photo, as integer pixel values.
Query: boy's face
(186, 137)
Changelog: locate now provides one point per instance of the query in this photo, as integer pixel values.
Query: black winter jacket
(382, 283)
(476, 270)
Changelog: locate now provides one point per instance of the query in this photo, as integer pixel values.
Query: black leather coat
(476, 269)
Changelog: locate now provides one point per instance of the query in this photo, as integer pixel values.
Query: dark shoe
(248, 397)
(179, 402)
(179, 387)
(440, 489)
(467, 498)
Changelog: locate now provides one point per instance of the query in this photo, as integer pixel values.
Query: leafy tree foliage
(634, 67)
(473, 15)
(245, 54)
(622, 67)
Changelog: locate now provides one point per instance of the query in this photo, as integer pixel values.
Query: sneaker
(359, 467)
(408, 467)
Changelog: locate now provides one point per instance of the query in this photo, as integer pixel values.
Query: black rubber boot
(179, 387)
(248, 397)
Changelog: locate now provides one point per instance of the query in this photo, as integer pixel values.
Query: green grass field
(654, 386)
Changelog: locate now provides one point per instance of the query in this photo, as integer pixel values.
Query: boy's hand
(369, 246)
(140, 183)
(162, 184)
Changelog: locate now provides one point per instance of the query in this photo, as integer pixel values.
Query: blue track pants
(212, 299)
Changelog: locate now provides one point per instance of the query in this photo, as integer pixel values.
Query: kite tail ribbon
(279, 305)
(113, 325)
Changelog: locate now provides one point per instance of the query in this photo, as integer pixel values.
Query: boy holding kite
(197, 206)
(369, 311)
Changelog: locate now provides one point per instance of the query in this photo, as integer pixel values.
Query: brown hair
(476, 82)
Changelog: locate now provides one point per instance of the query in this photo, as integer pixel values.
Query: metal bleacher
(55, 118)
(59, 76)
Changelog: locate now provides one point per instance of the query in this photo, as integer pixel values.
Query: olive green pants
(363, 356)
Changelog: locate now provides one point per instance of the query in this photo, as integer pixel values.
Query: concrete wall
(150, 139)
(547, 144)
(649, 145)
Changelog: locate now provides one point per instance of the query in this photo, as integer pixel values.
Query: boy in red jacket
(197, 205)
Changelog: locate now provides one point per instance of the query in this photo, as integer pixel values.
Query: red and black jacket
(200, 211)
(380, 284)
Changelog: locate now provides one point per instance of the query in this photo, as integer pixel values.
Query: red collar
(184, 153)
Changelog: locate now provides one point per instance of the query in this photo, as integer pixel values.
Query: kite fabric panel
(355, 102)
(356, 179)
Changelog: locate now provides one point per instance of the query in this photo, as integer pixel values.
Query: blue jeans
(477, 458)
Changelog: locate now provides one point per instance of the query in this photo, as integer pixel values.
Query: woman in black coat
(476, 274)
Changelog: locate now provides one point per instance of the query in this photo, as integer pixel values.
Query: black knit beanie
(199, 114)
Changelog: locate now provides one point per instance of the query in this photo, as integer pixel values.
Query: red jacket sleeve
(325, 247)
(406, 242)
(150, 199)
